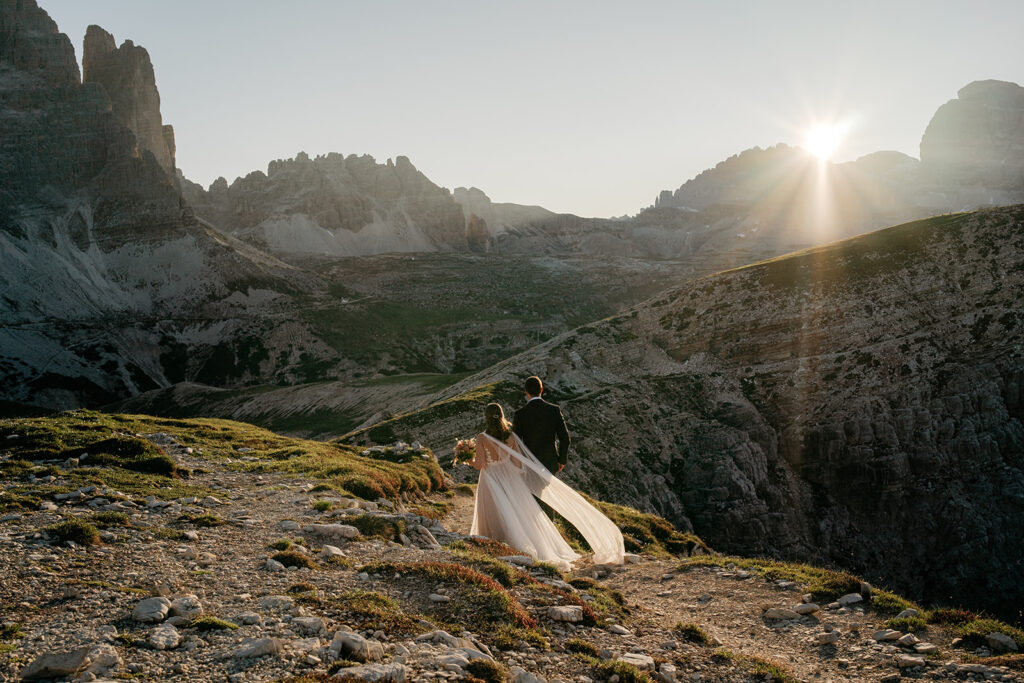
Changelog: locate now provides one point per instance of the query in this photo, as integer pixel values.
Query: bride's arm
(482, 456)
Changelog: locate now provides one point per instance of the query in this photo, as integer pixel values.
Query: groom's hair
(533, 386)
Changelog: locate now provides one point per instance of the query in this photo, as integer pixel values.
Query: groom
(538, 424)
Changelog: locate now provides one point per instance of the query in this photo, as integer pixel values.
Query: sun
(823, 139)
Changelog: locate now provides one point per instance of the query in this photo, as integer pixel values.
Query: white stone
(151, 610)
(886, 634)
(164, 637)
(281, 602)
(309, 626)
(829, 638)
(274, 566)
(570, 613)
(925, 648)
(258, 647)
(521, 560)
(187, 606)
(908, 640)
(907, 662)
(619, 630)
(288, 525)
(806, 608)
(377, 673)
(850, 599)
(329, 551)
(436, 597)
(908, 614)
(351, 645)
(247, 618)
(643, 662)
(780, 613)
(332, 533)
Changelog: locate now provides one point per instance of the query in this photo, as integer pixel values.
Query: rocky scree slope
(208, 549)
(858, 403)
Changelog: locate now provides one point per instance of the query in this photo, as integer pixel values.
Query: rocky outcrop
(500, 217)
(100, 260)
(858, 404)
(337, 205)
(977, 140)
(126, 75)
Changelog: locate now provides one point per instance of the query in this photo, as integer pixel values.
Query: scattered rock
(187, 606)
(850, 599)
(164, 637)
(521, 560)
(908, 640)
(288, 525)
(1000, 642)
(828, 638)
(351, 645)
(275, 566)
(780, 613)
(640, 661)
(437, 597)
(570, 613)
(806, 608)
(886, 634)
(330, 551)
(331, 533)
(619, 630)
(908, 614)
(908, 662)
(258, 647)
(279, 602)
(390, 673)
(926, 648)
(151, 610)
(309, 626)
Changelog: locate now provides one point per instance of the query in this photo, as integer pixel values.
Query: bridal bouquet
(465, 450)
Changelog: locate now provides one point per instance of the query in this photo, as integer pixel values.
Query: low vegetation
(75, 530)
(290, 558)
(692, 633)
(823, 584)
(212, 624)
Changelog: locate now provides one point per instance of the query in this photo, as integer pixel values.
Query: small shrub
(951, 617)
(907, 624)
(109, 518)
(579, 646)
(322, 505)
(627, 673)
(465, 490)
(508, 638)
(212, 624)
(377, 526)
(281, 544)
(290, 558)
(11, 631)
(486, 670)
(303, 587)
(692, 632)
(76, 530)
(207, 521)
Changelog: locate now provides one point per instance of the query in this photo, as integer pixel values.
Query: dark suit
(538, 424)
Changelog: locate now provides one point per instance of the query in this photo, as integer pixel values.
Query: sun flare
(823, 139)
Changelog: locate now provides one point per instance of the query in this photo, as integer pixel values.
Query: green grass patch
(822, 584)
(280, 544)
(485, 545)
(885, 602)
(692, 633)
(11, 632)
(606, 602)
(212, 624)
(290, 558)
(500, 571)
(486, 670)
(77, 530)
(907, 624)
(108, 519)
(507, 637)
(431, 509)
(323, 505)
(485, 603)
(299, 588)
(207, 521)
(582, 647)
(627, 673)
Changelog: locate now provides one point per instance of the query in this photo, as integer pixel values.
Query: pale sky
(583, 107)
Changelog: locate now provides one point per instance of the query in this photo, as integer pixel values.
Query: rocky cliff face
(974, 145)
(858, 403)
(335, 205)
(100, 261)
(126, 75)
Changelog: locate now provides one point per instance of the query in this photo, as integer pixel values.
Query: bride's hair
(496, 424)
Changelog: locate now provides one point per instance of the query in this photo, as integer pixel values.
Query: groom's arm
(563, 438)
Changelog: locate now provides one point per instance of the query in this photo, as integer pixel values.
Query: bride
(505, 509)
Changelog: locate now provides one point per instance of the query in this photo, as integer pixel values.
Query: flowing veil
(601, 534)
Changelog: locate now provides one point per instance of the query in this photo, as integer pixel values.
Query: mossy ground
(127, 462)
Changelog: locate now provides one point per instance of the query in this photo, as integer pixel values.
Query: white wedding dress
(505, 508)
